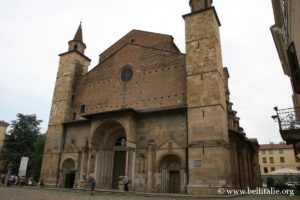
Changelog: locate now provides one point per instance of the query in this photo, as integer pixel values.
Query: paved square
(16, 193)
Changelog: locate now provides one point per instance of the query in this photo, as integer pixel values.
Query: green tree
(37, 156)
(19, 141)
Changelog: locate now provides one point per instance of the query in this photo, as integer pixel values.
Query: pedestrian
(41, 183)
(126, 182)
(23, 181)
(93, 186)
(18, 181)
(2, 179)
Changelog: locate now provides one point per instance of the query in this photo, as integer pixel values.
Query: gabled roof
(143, 38)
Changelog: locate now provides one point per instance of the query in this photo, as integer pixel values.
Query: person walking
(126, 182)
(93, 186)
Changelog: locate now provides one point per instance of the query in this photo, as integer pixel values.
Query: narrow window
(264, 160)
(272, 169)
(82, 108)
(270, 151)
(271, 160)
(282, 159)
(265, 170)
(281, 151)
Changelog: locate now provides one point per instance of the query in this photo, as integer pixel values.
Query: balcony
(289, 123)
(289, 126)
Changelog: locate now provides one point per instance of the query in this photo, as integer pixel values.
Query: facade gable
(158, 81)
(143, 38)
(170, 144)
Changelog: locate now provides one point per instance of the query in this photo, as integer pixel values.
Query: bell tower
(197, 5)
(73, 64)
(208, 148)
(77, 43)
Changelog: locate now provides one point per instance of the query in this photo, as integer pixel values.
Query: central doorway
(119, 167)
(111, 157)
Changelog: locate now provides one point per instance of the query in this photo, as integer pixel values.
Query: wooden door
(174, 182)
(119, 167)
(69, 181)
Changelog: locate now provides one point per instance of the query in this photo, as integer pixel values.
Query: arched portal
(109, 141)
(171, 174)
(68, 173)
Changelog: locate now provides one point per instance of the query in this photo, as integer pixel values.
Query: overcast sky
(34, 32)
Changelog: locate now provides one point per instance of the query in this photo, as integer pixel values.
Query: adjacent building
(150, 112)
(275, 156)
(286, 35)
(3, 127)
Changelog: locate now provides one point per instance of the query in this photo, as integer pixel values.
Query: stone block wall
(72, 66)
(158, 81)
(209, 161)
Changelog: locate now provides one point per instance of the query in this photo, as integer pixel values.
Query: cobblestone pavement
(27, 193)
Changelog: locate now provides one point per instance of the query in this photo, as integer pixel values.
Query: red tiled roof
(275, 146)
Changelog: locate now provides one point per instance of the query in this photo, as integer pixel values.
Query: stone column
(183, 180)
(61, 178)
(150, 166)
(78, 170)
(83, 168)
(130, 166)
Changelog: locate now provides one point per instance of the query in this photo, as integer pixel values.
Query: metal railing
(288, 119)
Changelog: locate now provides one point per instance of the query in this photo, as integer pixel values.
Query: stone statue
(197, 5)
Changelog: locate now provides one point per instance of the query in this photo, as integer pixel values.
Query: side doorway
(170, 173)
(174, 181)
(69, 179)
(68, 173)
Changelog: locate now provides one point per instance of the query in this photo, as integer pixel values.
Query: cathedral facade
(147, 111)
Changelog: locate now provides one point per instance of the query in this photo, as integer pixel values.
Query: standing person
(126, 182)
(93, 186)
(41, 183)
(2, 179)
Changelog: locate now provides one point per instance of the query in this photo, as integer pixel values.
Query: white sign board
(130, 144)
(23, 166)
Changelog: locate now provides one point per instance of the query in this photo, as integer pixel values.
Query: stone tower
(206, 101)
(72, 65)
